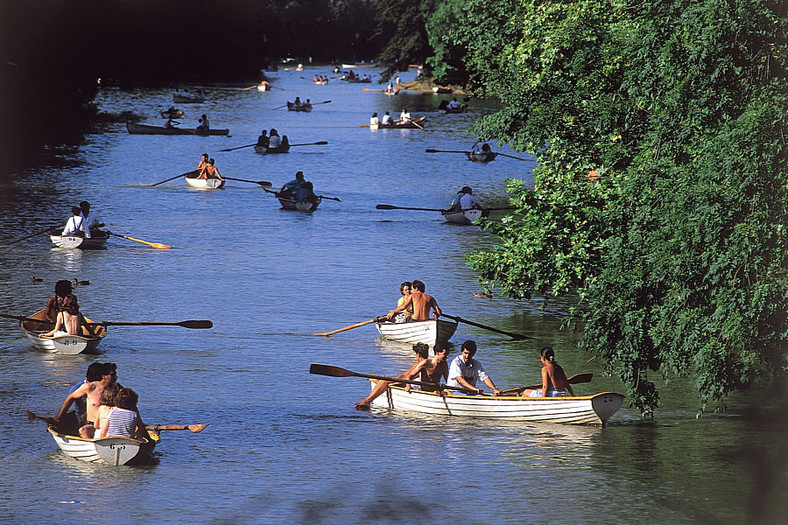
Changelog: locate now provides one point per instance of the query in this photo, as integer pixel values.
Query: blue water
(286, 446)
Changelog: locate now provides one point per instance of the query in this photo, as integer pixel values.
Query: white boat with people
(464, 217)
(211, 183)
(84, 343)
(594, 409)
(428, 332)
(97, 240)
(111, 450)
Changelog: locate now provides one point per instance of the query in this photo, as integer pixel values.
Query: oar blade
(197, 324)
(328, 370)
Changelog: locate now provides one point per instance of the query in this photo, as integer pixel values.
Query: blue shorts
(550, 393)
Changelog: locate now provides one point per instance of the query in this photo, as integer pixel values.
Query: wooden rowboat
(482, 157)
(85, 343)
(411, 124)
(304, 205)
(182, 98)
(448, 110)
(97, 241)
(595, 409)
(300, 107)
(144, 129)
(204, 184)
(428, 332)
(262, 150)
(464, 217)
(111, 450)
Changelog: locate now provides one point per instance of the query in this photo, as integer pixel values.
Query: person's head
(468, 350)
(85, 207)
(211, 162)
(375, 114)
(265, 132)
(300, 175)
(441, 350)
(308, 185)
(387, 112)
(547, 354)
(417, 285)
(404, 110)
(467, 189)
(108, 395)
(75, 210)
(404, 288)
(110, 371)
(126, 398)
(63, 288)
(205, 157)
(94, 372)
(422, 350)
(485, 147)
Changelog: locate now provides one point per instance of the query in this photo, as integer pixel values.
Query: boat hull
(300, 107)
(464, 217)
(306, 205)
(596, 409)
(205, 184)
(111, 450)
(97, 242)
(185, 99)
(428, 332)
(144, 129)
(482, 157)
(262, 150)
(63, 344)
(416, 123)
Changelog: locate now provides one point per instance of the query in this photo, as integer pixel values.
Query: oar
(324, 102)
(512, 157)
(490, 328)
(175, 177)
(190, 428)
(23, 318)
(239, 147)
(572, 380)
(335, 371)
(31, 416)
(31, 235)
(260, 182)
(329, 198)
(369, 89)
(332, 332)
(430, 150)
(321, 143)
(390, 207)
(416, 124)
(157, 245)
(279, 107)
(193, 324)
(250, 87)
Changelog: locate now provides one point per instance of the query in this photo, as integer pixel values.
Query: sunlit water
(287, 446)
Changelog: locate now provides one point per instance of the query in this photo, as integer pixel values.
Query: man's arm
(73, 396)
(435, 308)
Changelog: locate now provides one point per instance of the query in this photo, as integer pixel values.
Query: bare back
(422, 303)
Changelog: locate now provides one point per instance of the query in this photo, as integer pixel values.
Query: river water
(286, 446)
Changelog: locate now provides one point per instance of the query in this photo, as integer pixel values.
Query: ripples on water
(284, 446)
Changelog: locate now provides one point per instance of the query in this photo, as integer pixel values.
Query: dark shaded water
(285, 446)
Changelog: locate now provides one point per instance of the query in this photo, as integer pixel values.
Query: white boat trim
(205, 184)
(428, 332)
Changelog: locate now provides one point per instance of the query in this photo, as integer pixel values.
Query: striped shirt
(121, 422)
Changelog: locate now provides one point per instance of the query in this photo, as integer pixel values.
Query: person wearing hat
(465, 371)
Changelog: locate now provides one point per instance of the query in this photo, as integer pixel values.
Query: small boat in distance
(188, 98)
(464, 217)
(299, 205)
(595, 409)
(292, 106)
(485, 156)
(428, 332)
(416, 123)
(262, 150)
(85, 343)
(144, 129)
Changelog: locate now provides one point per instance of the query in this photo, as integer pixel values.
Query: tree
(678, 250)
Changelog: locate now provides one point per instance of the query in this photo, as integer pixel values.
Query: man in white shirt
(404, 116)
(75, 224)
(386, 119)
(465, 371)
(468, 201)
(91, 220)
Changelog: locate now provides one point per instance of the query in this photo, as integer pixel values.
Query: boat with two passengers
(305, 106)
(83, 343)
(594, 409)
(111, 450)
(210, 183)
(263, 150)
(428, 332)
(144, 129)
(299, 205)
(416, 123)
(464, 217)
(97, 240)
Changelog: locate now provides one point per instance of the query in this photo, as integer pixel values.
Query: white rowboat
(62, 344)
(428, 332)
(111, 450)
(97, 242)
(464, 217)
(205, 184)
(596, 409)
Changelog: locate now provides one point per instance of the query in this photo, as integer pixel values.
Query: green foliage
(402, 23)
(678, 250)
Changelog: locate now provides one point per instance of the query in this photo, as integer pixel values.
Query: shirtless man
(106, 374)
(422, 303)
(436, 368)
(422, 351)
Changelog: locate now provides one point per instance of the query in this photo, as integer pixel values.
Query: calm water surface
(287, 446)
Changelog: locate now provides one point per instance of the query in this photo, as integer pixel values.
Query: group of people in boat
(102, 407)
(207, 169)
(320, 79)
(297, 103)
(82, 222)
(386, 120)
(272, 141)
(62, 310)
(464, 200)
(480, 147)
(298, 189)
